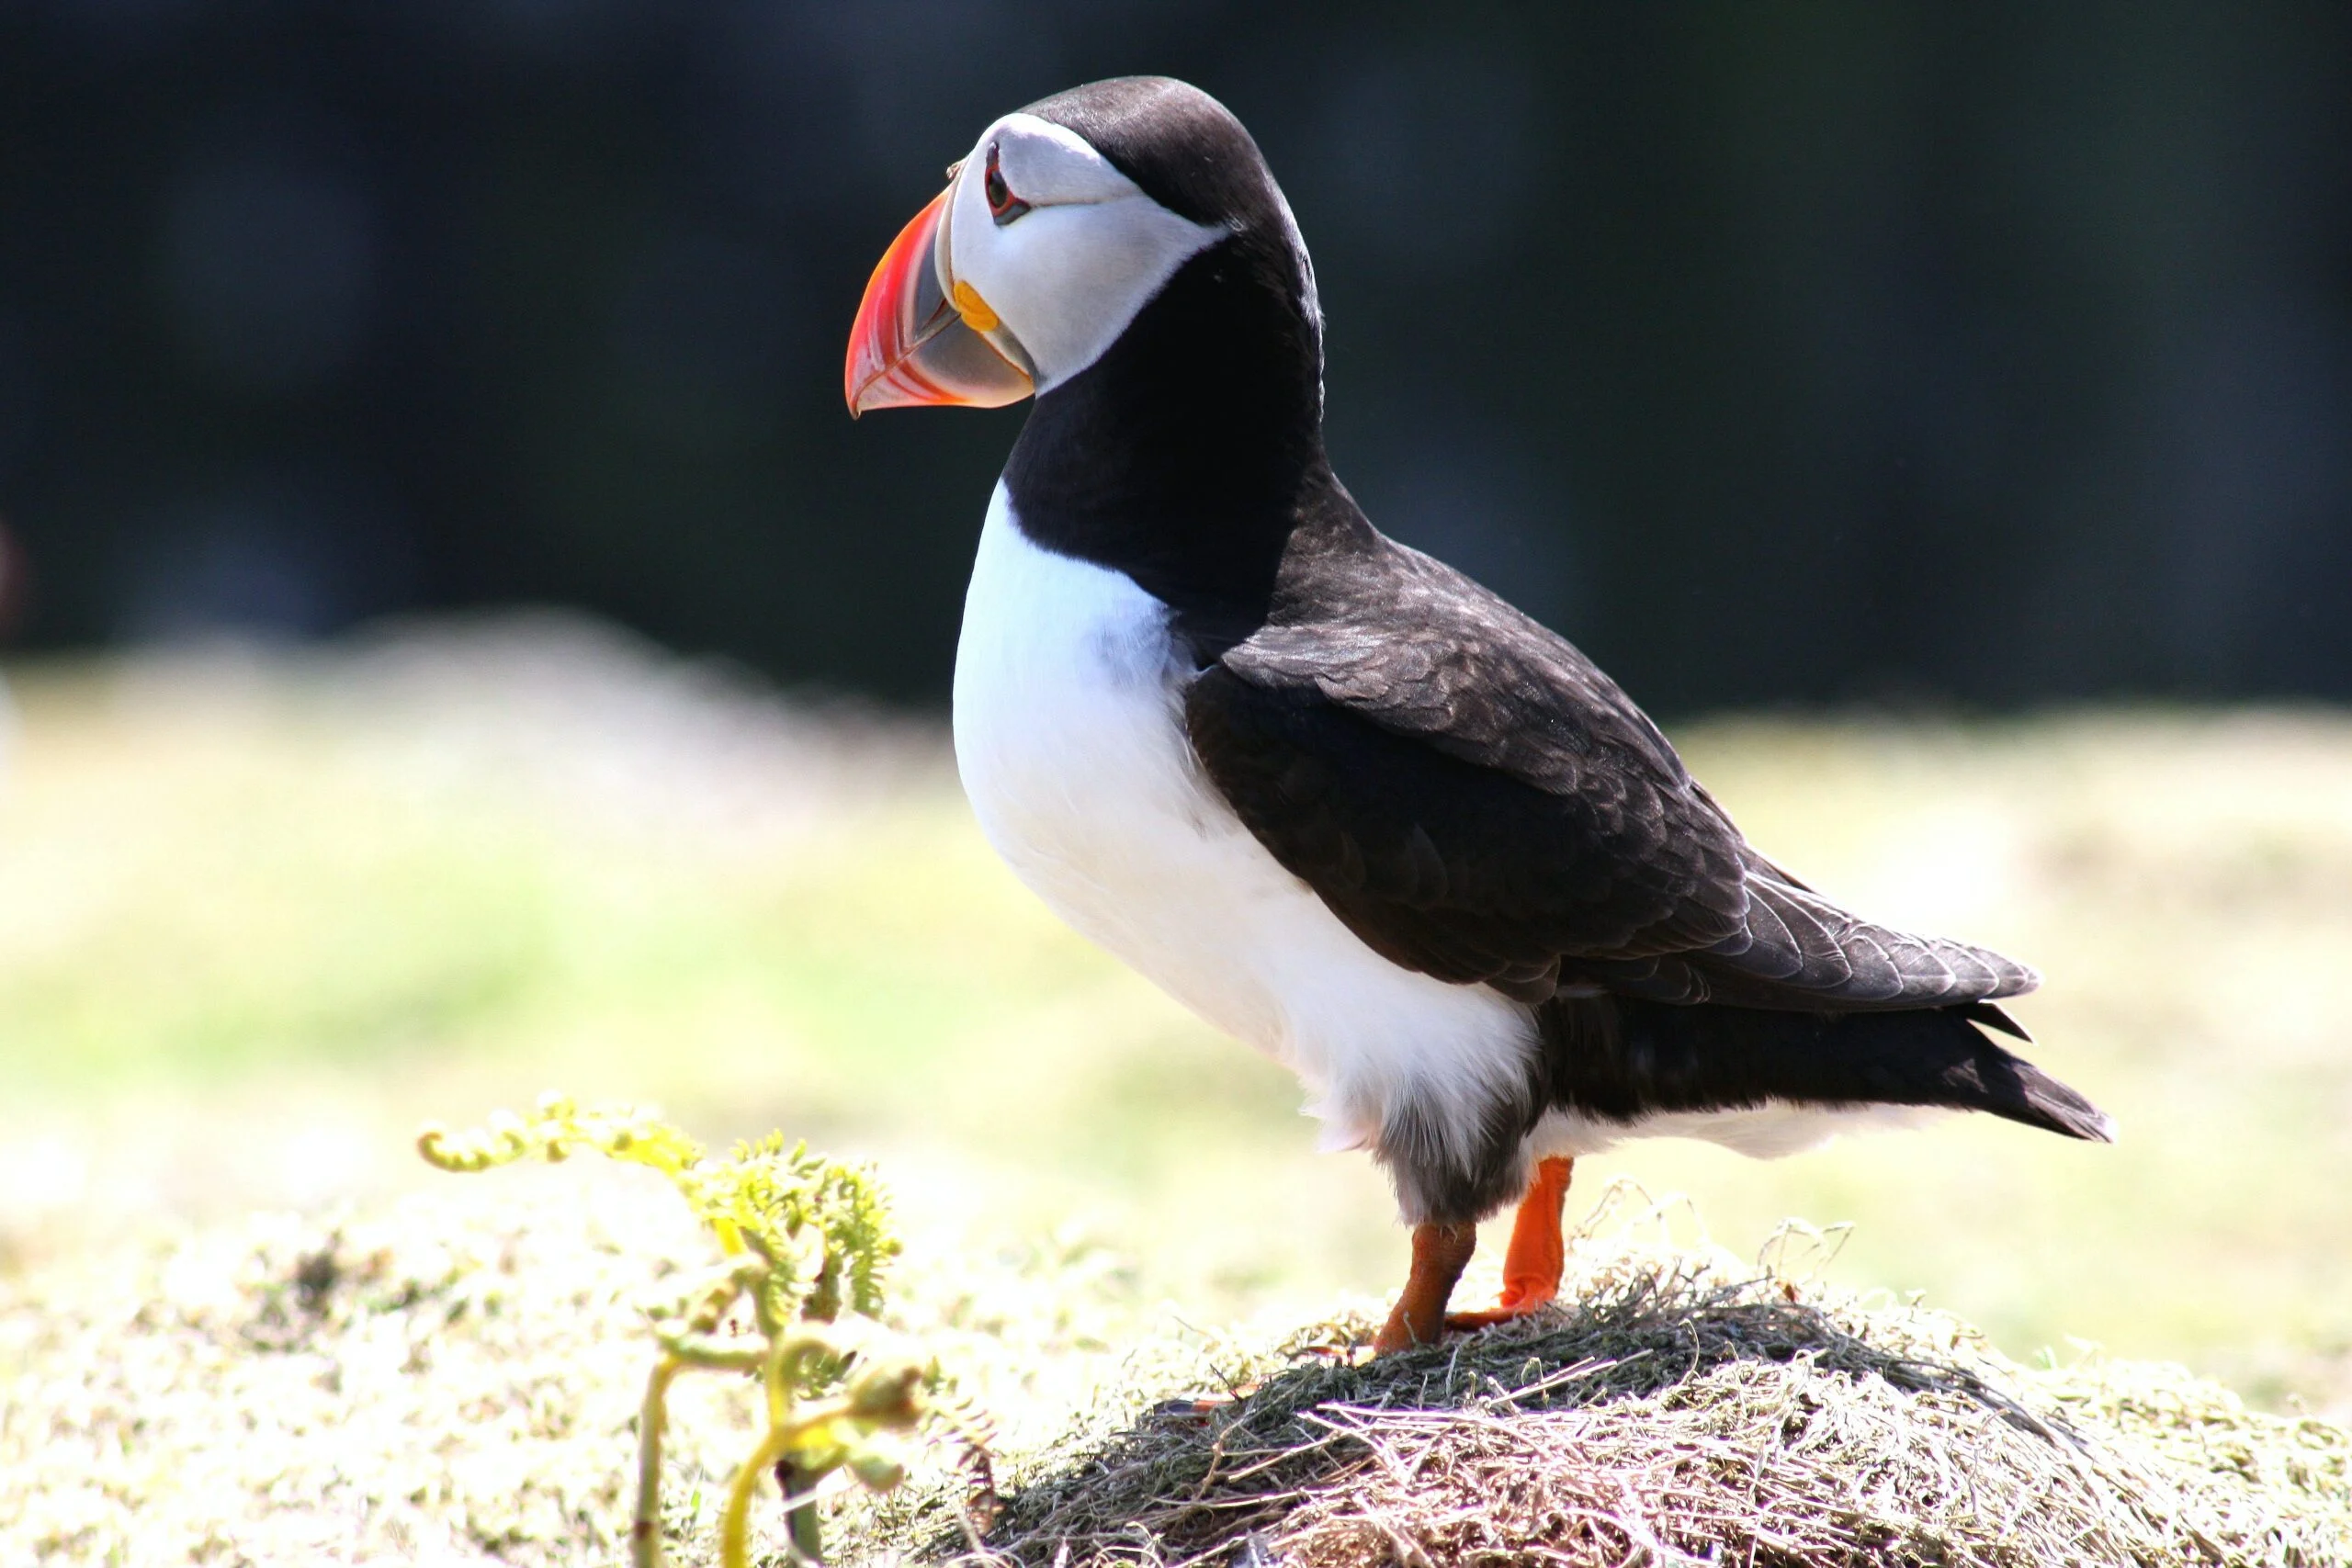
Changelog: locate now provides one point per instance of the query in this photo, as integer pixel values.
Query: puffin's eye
(1003, 205)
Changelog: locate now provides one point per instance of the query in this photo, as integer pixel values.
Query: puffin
(1333, 796)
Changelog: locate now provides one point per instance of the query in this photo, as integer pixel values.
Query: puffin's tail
(1622, 1058)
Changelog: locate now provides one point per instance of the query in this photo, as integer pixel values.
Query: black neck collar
(1184, 456)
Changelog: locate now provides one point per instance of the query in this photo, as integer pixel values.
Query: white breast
(1070, 737)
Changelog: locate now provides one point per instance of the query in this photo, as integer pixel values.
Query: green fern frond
(803, 1239)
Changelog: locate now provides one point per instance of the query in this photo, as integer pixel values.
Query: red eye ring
(1003, 205)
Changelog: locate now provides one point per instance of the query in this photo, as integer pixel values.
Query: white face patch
(1064, 278)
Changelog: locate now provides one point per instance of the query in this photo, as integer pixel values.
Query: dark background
(1976, 354)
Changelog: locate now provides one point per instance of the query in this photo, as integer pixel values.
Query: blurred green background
(261, 913)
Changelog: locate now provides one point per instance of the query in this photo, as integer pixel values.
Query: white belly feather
(1070, 737)
(1070, 740)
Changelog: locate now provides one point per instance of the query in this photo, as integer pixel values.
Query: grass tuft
(1681, 1409)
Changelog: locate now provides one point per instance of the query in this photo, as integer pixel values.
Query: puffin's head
(1061, 223)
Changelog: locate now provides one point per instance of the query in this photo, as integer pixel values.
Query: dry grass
(454, 1381)
(456, 1378)
(448, 1383)
(1684, 1409)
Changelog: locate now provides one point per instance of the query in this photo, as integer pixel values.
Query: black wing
(1478, 802)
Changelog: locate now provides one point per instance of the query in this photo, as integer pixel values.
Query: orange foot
(1200, 1407)
(1440, 1254)
(1538, 1254)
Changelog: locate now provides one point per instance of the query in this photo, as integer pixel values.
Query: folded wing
(1478, 802)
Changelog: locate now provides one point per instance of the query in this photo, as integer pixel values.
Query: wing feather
(1475, 800)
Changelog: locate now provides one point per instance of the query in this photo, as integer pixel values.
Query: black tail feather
(1992, 1017)
(1621, 1059)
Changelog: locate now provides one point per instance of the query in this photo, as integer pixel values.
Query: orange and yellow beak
(912, 345)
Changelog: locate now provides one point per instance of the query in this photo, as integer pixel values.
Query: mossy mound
(1678, 1413)
(455, 1380)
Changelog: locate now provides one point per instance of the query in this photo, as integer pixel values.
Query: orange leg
(1440, 1254)
(1531, 1267)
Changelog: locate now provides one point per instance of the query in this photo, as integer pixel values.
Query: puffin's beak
(911, 345)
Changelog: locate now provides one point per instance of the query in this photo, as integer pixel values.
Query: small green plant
(804, 1240)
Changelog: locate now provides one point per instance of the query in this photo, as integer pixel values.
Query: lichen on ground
(454, 1380)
